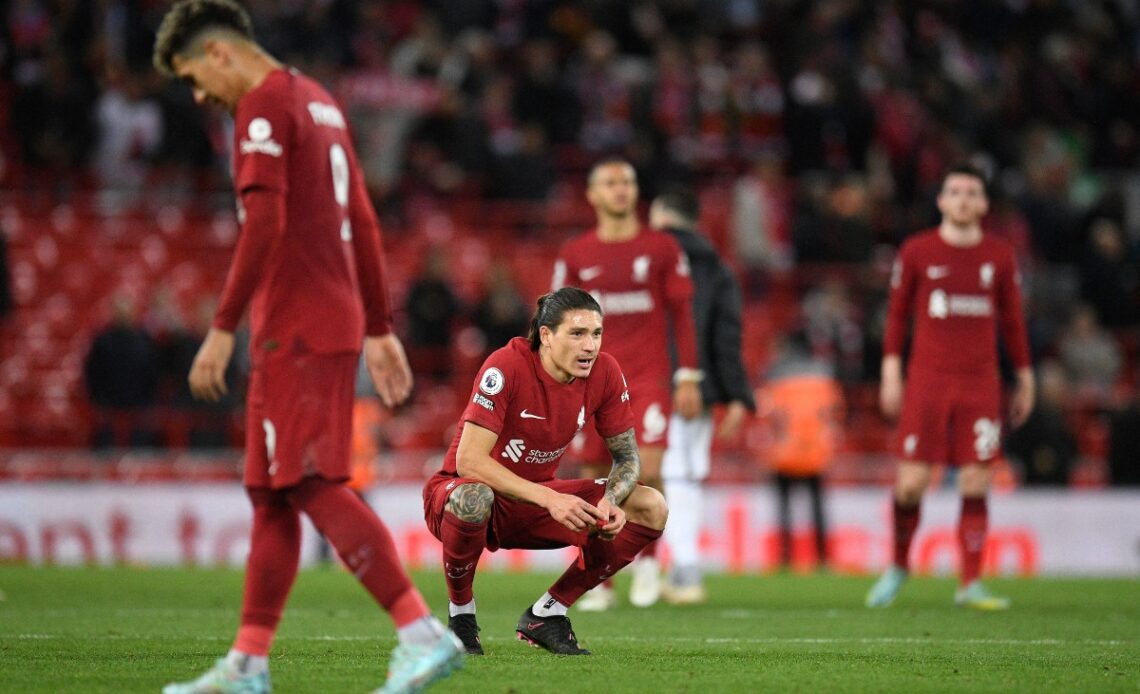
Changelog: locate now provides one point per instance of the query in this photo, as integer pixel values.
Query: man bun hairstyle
(188, 20)
(552, 309)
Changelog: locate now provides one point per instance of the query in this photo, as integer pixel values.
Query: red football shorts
(651, 405)
(950, 419)
(299, 418)
(515, 524)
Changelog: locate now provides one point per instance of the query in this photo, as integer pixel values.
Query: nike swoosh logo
(534, 625)
(588, 273)
(937, 272)
(526, 415)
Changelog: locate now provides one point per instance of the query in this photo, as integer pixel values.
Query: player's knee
(646, 506)
(471, 502)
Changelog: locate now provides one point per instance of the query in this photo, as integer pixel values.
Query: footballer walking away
(497, 487)
(310, 266)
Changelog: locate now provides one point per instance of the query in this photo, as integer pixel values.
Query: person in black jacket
(716, 310)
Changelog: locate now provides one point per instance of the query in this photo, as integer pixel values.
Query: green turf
(126, 630)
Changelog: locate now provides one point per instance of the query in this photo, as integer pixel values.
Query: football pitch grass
(132, 630)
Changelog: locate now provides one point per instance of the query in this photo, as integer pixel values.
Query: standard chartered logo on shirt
(943, 305)
(514, 450)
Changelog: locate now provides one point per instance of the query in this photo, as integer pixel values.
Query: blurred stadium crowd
(815, 132)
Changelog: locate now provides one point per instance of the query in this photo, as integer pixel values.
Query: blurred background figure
(501, 313)
(688, 455)
(802, 405)
(121, 373)
(431, 308)
(1045, 447)
(1124, 443)
(1090, 355)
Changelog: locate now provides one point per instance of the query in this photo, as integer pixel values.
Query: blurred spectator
(605, 94)
(832, 328)
(802, 404)
(757, 99)
(121, 373)
(1110, 275)
(541, 97)
(1124, 443)
(1090, 354)
(197, 423)
(762, 216)
(711, 101)
(129, 122)
(523, 170)
(431, 308)
(51, 115)
(1045, 447)
(501, 312)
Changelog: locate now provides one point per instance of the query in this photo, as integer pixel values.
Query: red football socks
(602, 560)
(361, 539)
(274, 551)
(463, 544)
(972, 526)
(906, 522)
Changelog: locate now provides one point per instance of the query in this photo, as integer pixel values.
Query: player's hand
(730, 423)
(208, 372)
(890, 397)
(687, 399)
(608, 530)
(388, 366)
(574, 512)
(1021, 404)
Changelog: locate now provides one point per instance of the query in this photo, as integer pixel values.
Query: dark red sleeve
(679, 298)
(263, 225)
(613, 416)
(903, 282)
(1010, 313)
(371, 267)
(494, 391)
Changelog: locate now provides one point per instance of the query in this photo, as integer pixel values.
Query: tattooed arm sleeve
(626, 469)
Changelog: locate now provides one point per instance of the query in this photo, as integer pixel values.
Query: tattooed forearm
(471, 502)
(626, 469)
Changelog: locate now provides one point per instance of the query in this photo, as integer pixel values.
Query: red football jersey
(959, 297)
(316, 277)
(536, 416)
(645, 292)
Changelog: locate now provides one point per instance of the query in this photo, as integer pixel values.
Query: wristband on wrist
(687, 375)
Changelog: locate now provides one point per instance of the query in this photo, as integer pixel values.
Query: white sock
(547, 606)
(466, 608)
(424, 631)
(682, 532)
(247, 664)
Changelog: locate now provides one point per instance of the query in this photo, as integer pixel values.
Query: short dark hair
(681, 201)
(188, 19)
(965, 169)
(552, 309)
(608, 161)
